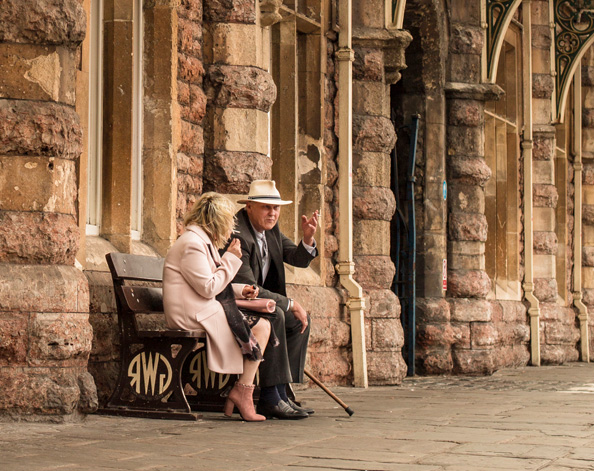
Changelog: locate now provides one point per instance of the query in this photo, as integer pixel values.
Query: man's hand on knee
(300, 314)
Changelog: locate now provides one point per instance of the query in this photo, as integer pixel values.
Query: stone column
(588, 187)
(471, 333)
(44, 302)
(558, 335)
(379, 56)
(240, 94)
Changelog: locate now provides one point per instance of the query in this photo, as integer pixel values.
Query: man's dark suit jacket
(281, 249)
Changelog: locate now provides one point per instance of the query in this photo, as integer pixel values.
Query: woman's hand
(250, 291)
(235, 248)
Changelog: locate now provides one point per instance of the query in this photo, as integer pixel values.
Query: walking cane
(330, 393)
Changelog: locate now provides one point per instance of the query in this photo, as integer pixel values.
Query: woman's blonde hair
(215, 214)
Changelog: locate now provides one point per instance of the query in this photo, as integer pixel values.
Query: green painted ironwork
(497, 11)
(574, 27)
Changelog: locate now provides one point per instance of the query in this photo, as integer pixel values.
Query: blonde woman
(193, 276)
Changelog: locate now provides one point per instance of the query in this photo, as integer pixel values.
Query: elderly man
(265, 249)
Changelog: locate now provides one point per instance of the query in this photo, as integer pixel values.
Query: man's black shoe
(307, 410)
(282, 411)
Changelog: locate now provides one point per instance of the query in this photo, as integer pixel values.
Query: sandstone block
(371, 237)
(552, 312)
(371, 169)
(465, 68)
(190, 69)
(40, 391)
(47, 129)
(544, 266)
(543, 148)
(588, 214)
(545, 196)
(374, 271)
(190, 165)
(88, 402)
(541, 36)
(196, 109)
(14, 339)
(461, 335)
(232, 172)
(431, 336)
(544, 219)
(465, 141)
(588, 118)
(373, 134)
(40, 22)
(368, 65)
(371, 202)
(432, 310)
(513, 311)
(588, 297)
(382, 303)
(46, 288)
(29, 72)
(484, 334)
(333, 367)
(476, 362)
(34, 237)
(192, 139)
(369, 98)
(543, 86)
(465, 113)
(588, 256)
(544, 171)
(466, 198)
(434, 362)
(385, 367)
(387, 334)
(189, 36)
(468, 284)
(59, 339)
(471, 310)
(183, 93)
(190, 9)
(229, 86)
(545, 289)
(588, 174)
(38, 184)
(557, 333)
(468, 226)
(230, 11)
(545, 243)
(558, 354)
(241, 130)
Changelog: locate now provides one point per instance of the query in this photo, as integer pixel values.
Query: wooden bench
(163, 372)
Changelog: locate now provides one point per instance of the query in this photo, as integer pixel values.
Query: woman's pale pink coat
(191, 280)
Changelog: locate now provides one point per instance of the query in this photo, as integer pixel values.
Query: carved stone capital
(473, 91)
(270, 12)
(392, 42)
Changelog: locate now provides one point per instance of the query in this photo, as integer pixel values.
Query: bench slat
(135, 267)
(143, 299)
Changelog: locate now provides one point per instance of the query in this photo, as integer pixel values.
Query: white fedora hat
(264, 191)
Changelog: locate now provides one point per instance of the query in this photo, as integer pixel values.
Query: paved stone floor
(518, 419)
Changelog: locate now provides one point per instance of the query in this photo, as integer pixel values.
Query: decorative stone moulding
(574, 33)
(270, 12)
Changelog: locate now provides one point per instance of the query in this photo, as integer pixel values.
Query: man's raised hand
(310, 227)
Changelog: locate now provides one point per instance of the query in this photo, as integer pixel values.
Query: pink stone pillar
(45, 336)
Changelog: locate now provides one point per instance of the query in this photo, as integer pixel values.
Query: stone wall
(192, 101)
(44, 299)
